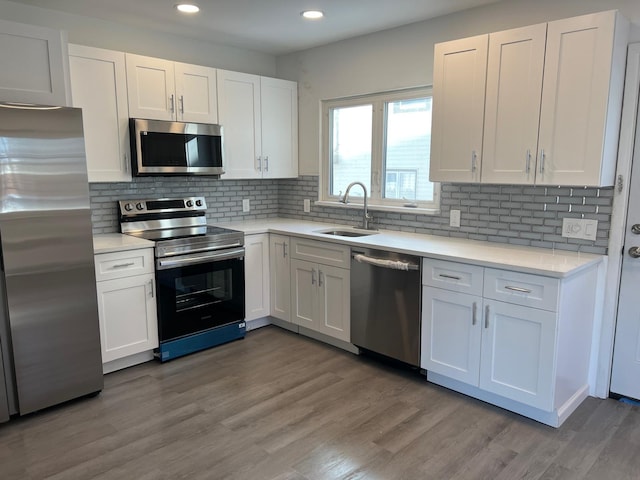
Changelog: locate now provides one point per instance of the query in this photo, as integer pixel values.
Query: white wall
(403, 57)
(114, 36)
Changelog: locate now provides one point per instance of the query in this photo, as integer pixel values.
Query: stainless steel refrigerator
(49, 333)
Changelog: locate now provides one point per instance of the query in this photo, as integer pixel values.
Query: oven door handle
(184, 260)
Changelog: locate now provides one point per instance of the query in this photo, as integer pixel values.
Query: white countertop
(116, 242)
(542, 261)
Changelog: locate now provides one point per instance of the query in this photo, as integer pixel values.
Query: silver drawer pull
(474, 318)
(123, 265)
(453, 277)
(486, 316)
(517, 289)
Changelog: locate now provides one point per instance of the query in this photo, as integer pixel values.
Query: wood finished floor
(278, 406)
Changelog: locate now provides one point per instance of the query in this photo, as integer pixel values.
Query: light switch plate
(454, 218)
(590, 229)
(246, 207)
(307, 205)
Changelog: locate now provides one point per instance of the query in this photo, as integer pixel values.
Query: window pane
(408, 142)
(351, 148)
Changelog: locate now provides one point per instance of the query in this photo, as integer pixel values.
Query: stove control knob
(128, 207)
(189, 203)
(199, 203)
(140, 206)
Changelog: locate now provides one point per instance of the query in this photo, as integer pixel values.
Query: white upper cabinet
(34, 63)
(279, 113)
(582, 100)
(551, 109)
(239, 105)
(459, 75)
(163, 90)
(99, 87)
(512, 106)
(259, 116)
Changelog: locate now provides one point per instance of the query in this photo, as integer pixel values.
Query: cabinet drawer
(123, 264)
(325, 253)
(522, 289)
(458, 277)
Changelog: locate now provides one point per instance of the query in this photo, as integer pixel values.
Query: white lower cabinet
(520, 341)
(256, 266)
(321, 287)
(280, 281)
(126, 307)
(320, 298)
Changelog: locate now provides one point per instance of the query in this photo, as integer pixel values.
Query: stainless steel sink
(346, 233)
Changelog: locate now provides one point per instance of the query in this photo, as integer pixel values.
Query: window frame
(379, 102)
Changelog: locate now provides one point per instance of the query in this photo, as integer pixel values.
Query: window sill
(379, 208)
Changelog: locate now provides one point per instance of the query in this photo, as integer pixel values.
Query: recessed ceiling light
(187, 7)
(312, 14)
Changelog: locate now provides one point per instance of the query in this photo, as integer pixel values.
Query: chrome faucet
(366, 217)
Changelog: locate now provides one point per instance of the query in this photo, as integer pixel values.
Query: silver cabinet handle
(171, 104)
(542, 157)
(313, 276)
(123, 265)
(266, 163)
(259, 164)
(320, 278)
(474, 159)
(486, 316)
(474, 318)
(634, 252)
(453, 277)
(635, 229)
(517, 289)
(125, 161)
(151, 287)
(284, 249)
(182, 104)
(528, 162)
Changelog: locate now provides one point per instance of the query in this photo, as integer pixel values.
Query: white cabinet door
(256, 266)
(580, 114)
(280, 270)
(334, 307)
(127, 314)
(451, 330)
(518, 353)
(304, 294)
(279, 116)
(99, 87)
(150, 87)
(34, 65)
(196, 93)
(512, 106)
(239, 115)
(459, 76)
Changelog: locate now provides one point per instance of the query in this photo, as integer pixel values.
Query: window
(383, 141)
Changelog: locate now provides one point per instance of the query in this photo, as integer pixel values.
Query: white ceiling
(269, 26)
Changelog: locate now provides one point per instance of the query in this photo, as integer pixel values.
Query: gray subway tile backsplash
(517, 215)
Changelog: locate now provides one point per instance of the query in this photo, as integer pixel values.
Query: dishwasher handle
(381, 262)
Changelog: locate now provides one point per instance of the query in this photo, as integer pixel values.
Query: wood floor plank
(278, 406)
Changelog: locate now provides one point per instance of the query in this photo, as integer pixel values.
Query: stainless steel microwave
(175, 148)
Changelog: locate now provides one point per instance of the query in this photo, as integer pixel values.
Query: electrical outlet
(246, 207)
(579, 228)
(307, 205)
(454, 218)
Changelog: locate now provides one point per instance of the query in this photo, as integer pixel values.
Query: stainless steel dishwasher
(385, 303)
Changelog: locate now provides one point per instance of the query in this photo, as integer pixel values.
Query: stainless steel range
(199, 273)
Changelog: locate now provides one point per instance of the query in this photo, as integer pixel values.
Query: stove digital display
(164, 204)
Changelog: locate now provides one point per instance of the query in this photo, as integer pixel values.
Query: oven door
(199, 292)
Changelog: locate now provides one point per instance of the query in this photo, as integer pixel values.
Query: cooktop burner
(183, 232)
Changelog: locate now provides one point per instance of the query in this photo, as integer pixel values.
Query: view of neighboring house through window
(383, 141)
